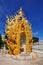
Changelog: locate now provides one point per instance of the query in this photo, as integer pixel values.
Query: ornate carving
(14, 28)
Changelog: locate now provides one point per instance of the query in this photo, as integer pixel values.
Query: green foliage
(0, 37)
(35, 39)
(6, 37)
(1, 41)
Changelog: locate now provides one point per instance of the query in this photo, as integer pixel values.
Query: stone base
(23, 56)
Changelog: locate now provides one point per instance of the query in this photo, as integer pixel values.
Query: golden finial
(20, 12)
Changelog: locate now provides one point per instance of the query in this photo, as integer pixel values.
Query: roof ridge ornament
(20, 12)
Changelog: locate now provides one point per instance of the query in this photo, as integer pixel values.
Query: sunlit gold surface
(16, 26)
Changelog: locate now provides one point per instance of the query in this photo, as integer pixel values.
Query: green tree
(35, 39)
(6, 37)
(1, 41)
(0, 37)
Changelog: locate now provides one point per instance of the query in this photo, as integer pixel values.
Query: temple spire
(20, 12)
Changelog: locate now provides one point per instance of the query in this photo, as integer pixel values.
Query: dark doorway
(23, 42)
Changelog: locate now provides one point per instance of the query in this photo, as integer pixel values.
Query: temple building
(19, 34)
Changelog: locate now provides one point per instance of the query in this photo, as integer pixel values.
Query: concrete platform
(35, 58)
(10, 61)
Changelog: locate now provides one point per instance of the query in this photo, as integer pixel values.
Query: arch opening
(23, 42)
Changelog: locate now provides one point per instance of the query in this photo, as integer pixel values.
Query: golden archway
(18, 30)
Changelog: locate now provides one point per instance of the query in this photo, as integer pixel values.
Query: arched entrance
(23, 42)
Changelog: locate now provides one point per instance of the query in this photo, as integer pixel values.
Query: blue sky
(33, 10)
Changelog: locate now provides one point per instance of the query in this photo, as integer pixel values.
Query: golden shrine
(19, 33)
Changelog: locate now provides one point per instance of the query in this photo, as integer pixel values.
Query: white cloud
(36, 33)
